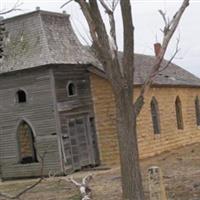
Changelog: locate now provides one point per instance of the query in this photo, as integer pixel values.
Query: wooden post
(156, 185)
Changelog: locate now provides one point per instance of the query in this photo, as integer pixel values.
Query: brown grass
(181, 170)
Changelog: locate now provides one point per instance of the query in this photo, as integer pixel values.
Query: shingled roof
(172, 75)
(40, 38)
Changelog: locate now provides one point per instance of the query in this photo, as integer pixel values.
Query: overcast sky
(147, 24)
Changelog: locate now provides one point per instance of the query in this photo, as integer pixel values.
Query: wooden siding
(75, 107)
(38, 112)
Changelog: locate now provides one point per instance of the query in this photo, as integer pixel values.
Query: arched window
(26, 141)
(21, 96)
(197, 109)
(71, 89)
(179, 116)
(155, 116)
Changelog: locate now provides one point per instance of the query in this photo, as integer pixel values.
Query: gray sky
(147, 23)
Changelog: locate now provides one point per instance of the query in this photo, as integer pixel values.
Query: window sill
(27, 164)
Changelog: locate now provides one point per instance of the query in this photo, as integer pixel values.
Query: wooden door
(81, 142)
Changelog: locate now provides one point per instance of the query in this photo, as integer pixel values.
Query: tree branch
(69, 1)
(172, 57)
(163, 14)
(14, 8)
(17, 196)
(110, 12)
(84, 188)
(168, 32)
(128, 49)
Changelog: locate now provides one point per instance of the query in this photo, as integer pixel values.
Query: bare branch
(164, 17)
(69, 1)
(75, 182)
(87, 39)
(84, 188)
(107, 9)
(172, 57)
(102, 44)
(114, 4)
(17, 196)
(168, 32)
(14, 8)
(87, 179)
(110, 12)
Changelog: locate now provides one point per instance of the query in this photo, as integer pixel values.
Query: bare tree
(121, 77)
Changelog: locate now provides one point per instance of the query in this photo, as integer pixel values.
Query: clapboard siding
(80, 103)
(73, 107)
(77, 74)
(38, 111)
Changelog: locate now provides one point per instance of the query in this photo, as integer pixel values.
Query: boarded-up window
(27, 151)
(21, 96)
(179, 116)
(197, 109)
(155, 116)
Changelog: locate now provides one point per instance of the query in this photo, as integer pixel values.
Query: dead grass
(181, 170)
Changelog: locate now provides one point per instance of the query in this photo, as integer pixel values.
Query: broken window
(179, 116)
(155, 116)
(26, 141)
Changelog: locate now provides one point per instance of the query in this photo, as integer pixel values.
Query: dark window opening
(26, 140)
(179, 116)
(197, 109)
(2, 35)
(71, 89)
(21, 96)
(155, 116)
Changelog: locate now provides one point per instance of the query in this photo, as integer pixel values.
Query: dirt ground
(181, 171)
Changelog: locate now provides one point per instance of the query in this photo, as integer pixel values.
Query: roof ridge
(15, 17)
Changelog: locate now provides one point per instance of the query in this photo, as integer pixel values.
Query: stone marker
(156, 186)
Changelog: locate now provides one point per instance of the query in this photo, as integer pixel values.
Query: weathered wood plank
(38, 111)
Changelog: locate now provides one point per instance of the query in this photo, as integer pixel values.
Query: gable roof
(172, 75)
(41, 38)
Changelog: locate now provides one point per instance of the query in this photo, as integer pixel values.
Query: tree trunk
(127, 137)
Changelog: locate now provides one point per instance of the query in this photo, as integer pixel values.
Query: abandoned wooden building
(54, 98)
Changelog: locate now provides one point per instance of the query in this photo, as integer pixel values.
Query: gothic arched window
(155, 116)
(26, 143)
(179, 116)
(197, 110)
